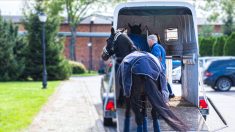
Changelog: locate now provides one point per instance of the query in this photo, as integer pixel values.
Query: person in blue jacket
(158, 51)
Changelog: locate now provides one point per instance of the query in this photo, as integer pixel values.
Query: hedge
(229, 47)
(218, 46)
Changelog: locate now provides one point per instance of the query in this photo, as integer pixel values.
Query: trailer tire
(108, 121)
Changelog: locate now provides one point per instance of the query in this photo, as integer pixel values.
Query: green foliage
(58, 67)
(77, 67)
(206, 45)
(222, 9)
(218, 46)
(229, 47)
(11, 48)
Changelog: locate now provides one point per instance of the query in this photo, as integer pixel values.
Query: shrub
(229, 47)
(206, 45)
(77, 67)
(218, 46)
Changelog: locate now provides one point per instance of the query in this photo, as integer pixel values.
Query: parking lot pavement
(224, 101)
(70, 109)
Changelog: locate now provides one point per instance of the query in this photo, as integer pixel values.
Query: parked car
(176, 74)
(204, 61)
(220, 74)
(175, 64)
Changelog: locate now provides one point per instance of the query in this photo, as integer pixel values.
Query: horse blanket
(141, 63)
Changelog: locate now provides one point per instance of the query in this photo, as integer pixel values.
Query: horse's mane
(127, 40)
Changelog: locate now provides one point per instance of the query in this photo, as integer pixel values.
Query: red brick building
(99, 26)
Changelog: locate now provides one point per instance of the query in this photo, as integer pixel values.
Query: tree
(218, 46)
(229, 46)
(78, 10)
(222, 9)
(57, 66)
(11, 65)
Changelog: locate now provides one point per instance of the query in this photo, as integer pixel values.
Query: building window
(171, 34)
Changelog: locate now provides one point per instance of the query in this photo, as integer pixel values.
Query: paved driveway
(72, 108)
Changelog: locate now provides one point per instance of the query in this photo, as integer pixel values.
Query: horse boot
(127, 116)
(127, 124)
(156, 125)
(145, 124)
(140, 128)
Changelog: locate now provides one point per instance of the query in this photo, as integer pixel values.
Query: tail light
(110, 105)
(208, 74)
(110, 64)
(203, 104)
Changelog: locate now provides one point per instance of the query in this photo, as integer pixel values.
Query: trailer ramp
(185, 111)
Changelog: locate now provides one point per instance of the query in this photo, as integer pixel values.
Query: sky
(14, 7)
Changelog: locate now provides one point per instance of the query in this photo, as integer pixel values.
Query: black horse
(138, 39)
(121, 45)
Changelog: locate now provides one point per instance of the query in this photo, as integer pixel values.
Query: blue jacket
(158, 51)
(141, 63)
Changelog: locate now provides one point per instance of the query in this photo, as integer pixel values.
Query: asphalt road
(222, 100)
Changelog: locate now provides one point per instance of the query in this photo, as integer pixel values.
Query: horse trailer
(175, 23)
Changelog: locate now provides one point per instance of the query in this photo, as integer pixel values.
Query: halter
(114, 40)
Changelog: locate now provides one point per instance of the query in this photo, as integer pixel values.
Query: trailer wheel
(108, 121)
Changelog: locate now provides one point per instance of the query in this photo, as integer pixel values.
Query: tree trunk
(72, 46)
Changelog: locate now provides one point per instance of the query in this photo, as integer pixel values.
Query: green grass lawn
(20, 102)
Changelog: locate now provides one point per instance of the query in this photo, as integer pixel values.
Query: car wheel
(223, 84)
(108, 121)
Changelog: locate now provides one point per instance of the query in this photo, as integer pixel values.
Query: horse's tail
(158, 104)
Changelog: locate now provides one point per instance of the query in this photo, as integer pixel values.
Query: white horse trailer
(175, 22)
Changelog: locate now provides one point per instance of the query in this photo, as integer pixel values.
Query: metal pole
(217, 111)
(44, 74)
(90, 49)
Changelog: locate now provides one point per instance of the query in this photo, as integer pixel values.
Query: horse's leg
(127, 115)
(144, 112)
(136, 103)
(156, 99)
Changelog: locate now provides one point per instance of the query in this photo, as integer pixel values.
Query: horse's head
(118, 44)
(135, 29)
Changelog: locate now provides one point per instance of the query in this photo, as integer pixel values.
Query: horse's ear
(139, 25)
(129, 25)
(112, 31)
